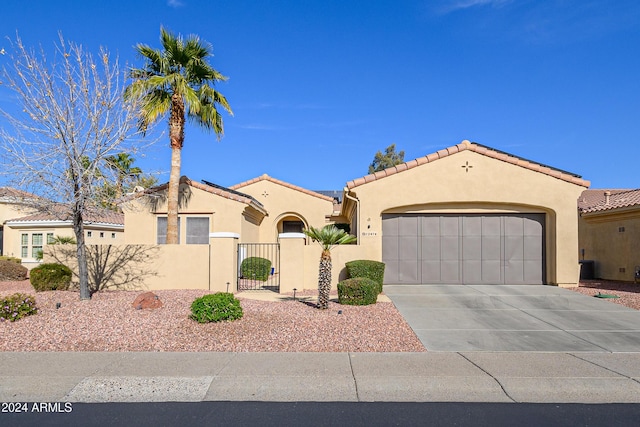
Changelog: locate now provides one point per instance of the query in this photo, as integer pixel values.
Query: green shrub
(357, 291)
(50, 277)
(16, 307)
(215, 308)
(10, 258)
(373, 270)
(10, 270)
(255, 268)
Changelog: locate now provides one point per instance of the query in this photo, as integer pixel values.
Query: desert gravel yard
(108, 322)
(628, 293)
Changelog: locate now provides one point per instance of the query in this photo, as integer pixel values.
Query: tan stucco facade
(225, 214)
(286, 203)
(465, 181)
(611, 239)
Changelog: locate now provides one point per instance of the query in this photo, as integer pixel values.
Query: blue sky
(317, 87)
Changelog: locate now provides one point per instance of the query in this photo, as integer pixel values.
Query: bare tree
(69, 117)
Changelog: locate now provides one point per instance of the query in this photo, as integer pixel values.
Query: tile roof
(596, 200)
(480, 149)
(8, 193)
(209, 187)
(92, 216)
(266, 177)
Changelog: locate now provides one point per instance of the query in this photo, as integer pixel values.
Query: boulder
(147, 300)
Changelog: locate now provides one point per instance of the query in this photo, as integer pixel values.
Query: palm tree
(328, 237)
(177, 80)
(122, 165)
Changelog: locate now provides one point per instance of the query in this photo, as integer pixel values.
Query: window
(197, 231)
(101, 234)
(88, 234)
(24, 246)
(162, 230)
(49, 238)
(113, 235)
(36, 245)
(292, 226)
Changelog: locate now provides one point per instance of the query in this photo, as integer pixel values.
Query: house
(12, 205)
(609, 233)
(467, 214)
(26, 236)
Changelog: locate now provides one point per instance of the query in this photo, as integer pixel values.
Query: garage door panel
(390, 248)
(513, 226)
(391, 271)
(472, 269)
(514, 247)
(408, 248)
(408, 272)
(430, 226)
(513, 271)
(408, 226)
(492, 271)
(472, 247)
(491, 248)
(491, 226)
(390, 226)
(532, 225)
(472, 226)
(449, 226)
(431, 248)
(532, 273)
(449, 248)
(450, 271)
(532, 248)
(431, 271)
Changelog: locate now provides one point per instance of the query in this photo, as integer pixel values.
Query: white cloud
(452, 6)
(174, 3)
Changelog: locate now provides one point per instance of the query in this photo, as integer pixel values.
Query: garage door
(467, 249)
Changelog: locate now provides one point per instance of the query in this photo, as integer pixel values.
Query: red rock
(147, 300)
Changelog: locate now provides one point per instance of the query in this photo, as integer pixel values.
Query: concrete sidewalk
(409, 377)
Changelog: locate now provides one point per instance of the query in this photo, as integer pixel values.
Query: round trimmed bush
(255, 268)
(51, 277)
(216, 308)
(373, 270)
(357, 291)
(10, 270)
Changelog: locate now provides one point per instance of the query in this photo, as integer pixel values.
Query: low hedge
(373, 270)
(11, 270)
(255, 268)
(357, 291)
(10, 258)
(50, 277)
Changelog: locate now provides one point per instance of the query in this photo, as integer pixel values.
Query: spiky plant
(328, 237)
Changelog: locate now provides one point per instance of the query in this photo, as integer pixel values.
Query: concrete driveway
(515, 318)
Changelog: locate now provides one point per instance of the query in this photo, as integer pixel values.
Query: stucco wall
(471, 182)
(612, 240)
(224, 215)
(283, 202)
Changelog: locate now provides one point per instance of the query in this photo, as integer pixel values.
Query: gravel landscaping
(108, 322)
(628, 292)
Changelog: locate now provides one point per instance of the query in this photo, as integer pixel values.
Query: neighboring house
(12, 205)
(469, 214)
(609, 233)
(25, 236)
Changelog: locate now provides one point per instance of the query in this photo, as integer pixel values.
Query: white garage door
(467, 249)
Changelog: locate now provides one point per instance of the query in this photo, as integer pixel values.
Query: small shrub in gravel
(255, 268)
(50, 277)
(215, 308)
(10, 270)
(17, 306)
(357, 291)
(373, 270)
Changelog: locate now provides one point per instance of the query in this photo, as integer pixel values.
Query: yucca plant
(328, 237)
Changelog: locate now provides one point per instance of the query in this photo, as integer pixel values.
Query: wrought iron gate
(259, 266)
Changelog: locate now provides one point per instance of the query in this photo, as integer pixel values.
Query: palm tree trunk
(172, 197)
(176, 138)
(324, 280)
